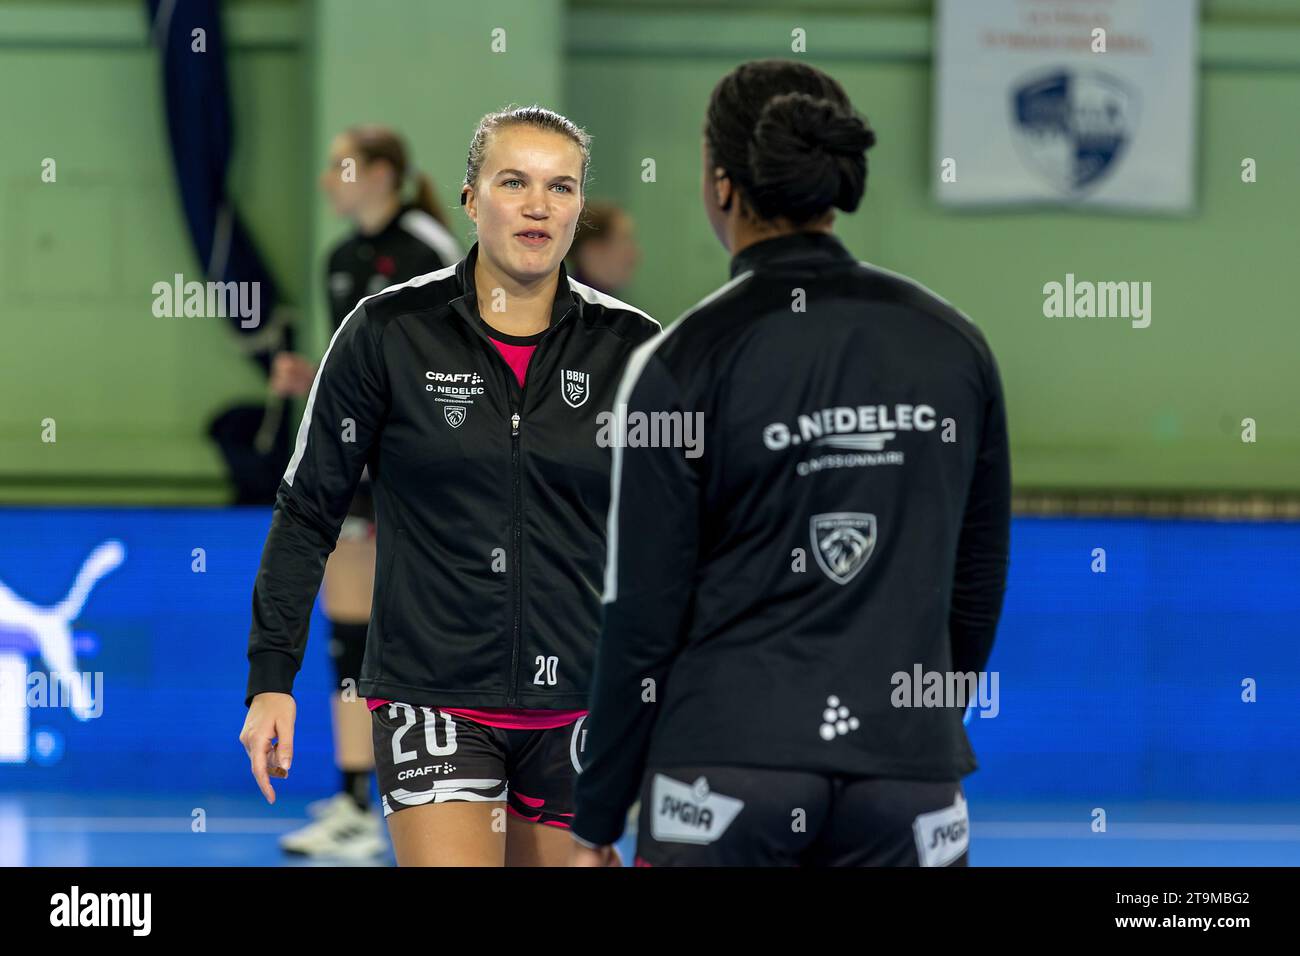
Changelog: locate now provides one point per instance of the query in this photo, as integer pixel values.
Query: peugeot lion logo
(575, 387)
(455, 414)
(1072, 127)
(842, 543)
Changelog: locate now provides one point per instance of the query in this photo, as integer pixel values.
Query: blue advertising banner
(1143, 659)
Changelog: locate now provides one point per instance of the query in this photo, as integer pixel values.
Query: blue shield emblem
(1072, 126)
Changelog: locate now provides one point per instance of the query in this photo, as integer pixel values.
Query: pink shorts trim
(550, 823)
(505, 718)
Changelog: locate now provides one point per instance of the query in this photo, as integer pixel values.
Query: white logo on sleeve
(942, 835)
(340, 284)
(689, 813)
(575, 387)
(842, 543)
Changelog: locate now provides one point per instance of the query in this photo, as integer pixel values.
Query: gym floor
(53, 829)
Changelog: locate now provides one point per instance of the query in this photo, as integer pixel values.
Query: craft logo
(459, 387)
(438, 768)
(1072, 127)
(842, 543)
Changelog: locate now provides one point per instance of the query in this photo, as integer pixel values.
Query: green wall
(429, 70)
(130, 393)
(1092, 404)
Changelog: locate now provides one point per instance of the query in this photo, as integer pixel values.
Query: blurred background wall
(1094, 404)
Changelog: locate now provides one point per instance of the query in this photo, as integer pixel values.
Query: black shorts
(425, 755)
(743, 816)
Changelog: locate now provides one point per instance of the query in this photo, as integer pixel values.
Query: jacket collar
(467, 302)
(794, 248)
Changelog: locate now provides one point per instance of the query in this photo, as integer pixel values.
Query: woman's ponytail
(374, 142)
(425, 198)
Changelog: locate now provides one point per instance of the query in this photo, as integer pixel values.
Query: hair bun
(807, 154)
(821, 124)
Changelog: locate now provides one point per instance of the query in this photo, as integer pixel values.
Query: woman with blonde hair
(473, 395)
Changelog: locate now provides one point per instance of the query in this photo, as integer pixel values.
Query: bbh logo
(1072, 127)
(842, 543)
(455, 415)
(575, 387)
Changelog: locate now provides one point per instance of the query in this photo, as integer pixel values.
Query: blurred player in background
(846, 520)
(393, 239)
(605, 252)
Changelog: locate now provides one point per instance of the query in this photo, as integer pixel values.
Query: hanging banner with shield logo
(1072, 102)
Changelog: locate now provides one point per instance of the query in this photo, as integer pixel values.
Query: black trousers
(749, 816)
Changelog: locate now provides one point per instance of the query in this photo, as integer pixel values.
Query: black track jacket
(846, 520)
(490, 499)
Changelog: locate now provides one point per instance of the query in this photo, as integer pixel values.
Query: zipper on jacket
(516, 516)
(516, 522)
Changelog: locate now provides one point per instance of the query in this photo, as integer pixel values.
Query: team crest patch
(455, 415)
(575, 387)
(842, 542)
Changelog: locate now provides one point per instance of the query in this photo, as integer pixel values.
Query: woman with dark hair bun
(838, 529)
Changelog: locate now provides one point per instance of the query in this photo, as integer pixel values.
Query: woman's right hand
(268, 738)
(291, 375)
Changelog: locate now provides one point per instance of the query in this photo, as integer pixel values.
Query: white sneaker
(319, 808)
(341, 831)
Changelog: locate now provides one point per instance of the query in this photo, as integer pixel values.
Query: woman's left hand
(601, 856)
